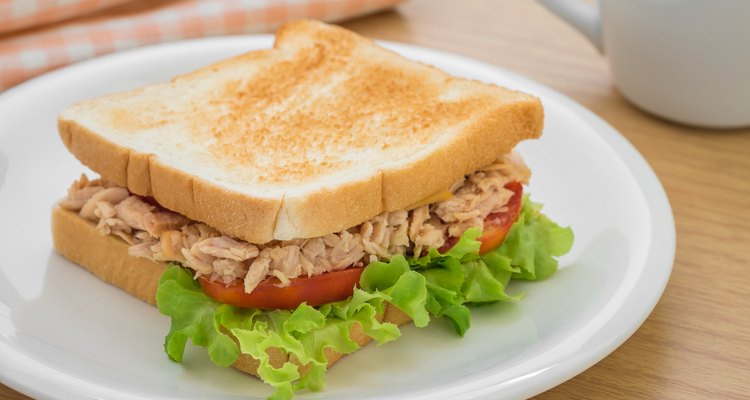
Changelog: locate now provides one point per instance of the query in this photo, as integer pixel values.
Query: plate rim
(662, 222)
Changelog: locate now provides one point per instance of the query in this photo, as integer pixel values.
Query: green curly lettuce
(195, 316)
(534, 243)
(432, 286)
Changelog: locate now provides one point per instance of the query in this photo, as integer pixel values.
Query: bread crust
(485, 122)
(107, 258)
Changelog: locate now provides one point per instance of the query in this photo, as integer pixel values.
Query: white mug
(684, 60)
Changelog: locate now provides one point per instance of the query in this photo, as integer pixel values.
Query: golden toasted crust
(318, 134)
(107, 258)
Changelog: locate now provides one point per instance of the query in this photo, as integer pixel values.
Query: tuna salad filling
(161, 235)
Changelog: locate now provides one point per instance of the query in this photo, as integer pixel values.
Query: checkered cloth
(40, 35)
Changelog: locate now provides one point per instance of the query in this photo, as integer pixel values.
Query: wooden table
(696, 343)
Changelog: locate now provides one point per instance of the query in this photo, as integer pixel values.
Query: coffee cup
(684, 60)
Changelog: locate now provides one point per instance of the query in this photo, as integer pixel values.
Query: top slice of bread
(316, 135)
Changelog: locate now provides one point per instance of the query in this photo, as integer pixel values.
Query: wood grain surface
(696, 343)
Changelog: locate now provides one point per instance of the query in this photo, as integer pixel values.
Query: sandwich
(287, 206)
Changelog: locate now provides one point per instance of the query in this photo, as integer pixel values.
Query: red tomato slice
(315, 290)
(497, 225)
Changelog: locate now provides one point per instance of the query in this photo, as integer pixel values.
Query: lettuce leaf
(432, 286)
(195, 316)
(534, 242)
(406, 289)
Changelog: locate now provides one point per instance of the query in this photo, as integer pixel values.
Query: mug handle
(583, 17)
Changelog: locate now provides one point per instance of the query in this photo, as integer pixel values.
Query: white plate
(64, 334)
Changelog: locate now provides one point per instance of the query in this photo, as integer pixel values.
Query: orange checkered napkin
(37, 36)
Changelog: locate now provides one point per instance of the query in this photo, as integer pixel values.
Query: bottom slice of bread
(107, 257)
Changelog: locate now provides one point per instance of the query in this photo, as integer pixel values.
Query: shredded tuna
(170, 247)
(228, 248)
(228, 270)
(285, 260)
(481, 194)
(80, 192)
(162, 235)
(198, 260)
(386, 235)
(103, 197)
(144, 216)
(257, 272)
(142, 249)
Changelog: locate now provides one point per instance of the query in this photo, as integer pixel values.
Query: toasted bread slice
(107, 257)
(316, 135)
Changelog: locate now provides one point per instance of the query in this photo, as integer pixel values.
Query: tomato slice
(315, 290)
(497, 225)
